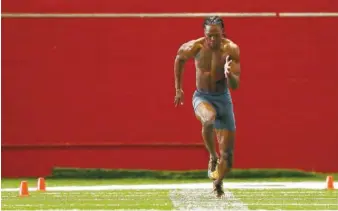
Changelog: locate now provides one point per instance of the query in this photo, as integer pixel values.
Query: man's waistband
(212, 93)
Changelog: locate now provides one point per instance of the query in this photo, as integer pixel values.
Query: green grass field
(243, 199)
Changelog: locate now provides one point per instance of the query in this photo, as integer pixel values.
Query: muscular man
(217, 70)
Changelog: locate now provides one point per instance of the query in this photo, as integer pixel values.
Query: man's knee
(208, 120)
(206, 114)
(227, 156)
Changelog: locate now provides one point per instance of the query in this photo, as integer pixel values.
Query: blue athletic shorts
(222, 103)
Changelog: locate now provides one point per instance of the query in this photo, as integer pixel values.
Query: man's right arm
(185, 52)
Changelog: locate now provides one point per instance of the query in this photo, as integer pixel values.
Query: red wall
(99, 92)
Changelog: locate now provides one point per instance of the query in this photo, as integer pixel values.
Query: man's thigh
(204, 110)
(225, 129)
(225, 117)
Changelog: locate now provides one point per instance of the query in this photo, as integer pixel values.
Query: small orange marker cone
(23, 189)
(329, 183)
(41, 184)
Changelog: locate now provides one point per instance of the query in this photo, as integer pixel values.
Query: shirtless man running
(217, 70)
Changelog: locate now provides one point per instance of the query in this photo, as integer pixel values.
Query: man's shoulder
(229, 44)
(191, 47)
(193, 43)
(232, 49)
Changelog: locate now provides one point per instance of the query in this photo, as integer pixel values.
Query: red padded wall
(110, 81)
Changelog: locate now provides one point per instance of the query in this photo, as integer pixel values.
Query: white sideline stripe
(308, 14)
(136, 15)
(227, 185)
(114, 209)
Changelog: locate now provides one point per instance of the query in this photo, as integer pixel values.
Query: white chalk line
(129, 210)
(169, 15)
(148, 210)
(227, 185)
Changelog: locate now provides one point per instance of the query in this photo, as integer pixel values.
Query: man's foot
(218, 188)
(212, 171)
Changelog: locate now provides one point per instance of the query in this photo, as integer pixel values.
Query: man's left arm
(235, 67)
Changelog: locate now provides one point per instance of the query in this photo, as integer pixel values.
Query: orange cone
(23, 189)
(41, 184)
(329, 183)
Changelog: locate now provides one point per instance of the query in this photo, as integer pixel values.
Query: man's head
(213, 30)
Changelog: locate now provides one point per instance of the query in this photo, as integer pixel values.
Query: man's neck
(216, 48)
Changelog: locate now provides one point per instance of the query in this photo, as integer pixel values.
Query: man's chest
(210, 60)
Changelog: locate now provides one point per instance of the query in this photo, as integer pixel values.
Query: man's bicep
(181, 56)
(236, 68)
(234, 53)
(235, 58)
(185, 52)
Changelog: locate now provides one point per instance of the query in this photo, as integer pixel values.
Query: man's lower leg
(224, 167)
(225, 164)
(218, 187)
(208, 138)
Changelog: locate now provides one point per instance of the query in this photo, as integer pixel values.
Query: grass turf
(88, 200)
(267, 199)
(288, 199)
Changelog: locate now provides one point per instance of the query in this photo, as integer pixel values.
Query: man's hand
(179, 97)
(227, 66)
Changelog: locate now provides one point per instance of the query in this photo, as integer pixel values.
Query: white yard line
(114, 210)
(153, 210)
(227, 185)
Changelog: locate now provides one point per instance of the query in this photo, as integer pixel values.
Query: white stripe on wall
(135, 15)
(308, 14)
(169, 15)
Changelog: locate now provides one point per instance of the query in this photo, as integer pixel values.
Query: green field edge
(192, 174)
(100, 173)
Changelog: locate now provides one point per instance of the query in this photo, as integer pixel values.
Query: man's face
(213, 35)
